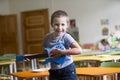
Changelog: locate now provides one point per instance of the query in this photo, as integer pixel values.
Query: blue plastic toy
(58, 60)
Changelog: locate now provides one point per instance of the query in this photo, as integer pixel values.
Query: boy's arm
(74, 50)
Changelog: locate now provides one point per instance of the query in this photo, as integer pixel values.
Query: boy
(66, 70)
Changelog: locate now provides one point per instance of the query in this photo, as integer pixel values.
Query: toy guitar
(38, 55)
(58, 60)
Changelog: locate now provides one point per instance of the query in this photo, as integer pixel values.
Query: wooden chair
(111, 64)
(4, 75)
(21, 64)
(88, 46)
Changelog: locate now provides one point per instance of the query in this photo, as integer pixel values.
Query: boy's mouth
(59, 31)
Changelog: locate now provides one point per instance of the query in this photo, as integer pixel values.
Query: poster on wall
(73, 30)
(105, 31)
(72, 23)
(104, 23)
(117, 27)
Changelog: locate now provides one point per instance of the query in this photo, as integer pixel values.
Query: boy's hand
(55, 53)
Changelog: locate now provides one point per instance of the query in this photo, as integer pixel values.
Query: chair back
(20, 58)
(22, 64)
(9, 55)
(110, 64)
(88, 46)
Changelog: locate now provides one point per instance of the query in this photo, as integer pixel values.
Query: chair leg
(105, 77)
(109, 77)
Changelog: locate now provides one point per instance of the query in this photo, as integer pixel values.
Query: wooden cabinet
(8, 34)
(35, 25)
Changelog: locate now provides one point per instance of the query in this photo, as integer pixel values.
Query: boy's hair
(59, 13)
(104, 40)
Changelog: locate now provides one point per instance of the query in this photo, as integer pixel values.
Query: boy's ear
(68, 25)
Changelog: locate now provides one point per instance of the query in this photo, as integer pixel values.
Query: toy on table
(58, 60)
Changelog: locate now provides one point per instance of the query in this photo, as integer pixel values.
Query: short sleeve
(69, 40)
(45, 40)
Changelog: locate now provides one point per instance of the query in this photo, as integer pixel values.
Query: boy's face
(60, 25)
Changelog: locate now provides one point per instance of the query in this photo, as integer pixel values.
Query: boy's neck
(55, 35)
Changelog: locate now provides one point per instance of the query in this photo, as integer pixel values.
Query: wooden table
(30, 74)
(96, 57)
(112, 52)
(82, 59)
(84, 71)
(94, 60)
(96, 73)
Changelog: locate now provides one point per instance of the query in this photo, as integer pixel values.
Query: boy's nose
(59, 26)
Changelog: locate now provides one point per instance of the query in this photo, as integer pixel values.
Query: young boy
(66, 70)
(104, 45)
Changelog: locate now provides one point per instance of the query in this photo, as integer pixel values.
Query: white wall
(4, 7)
(87, 13)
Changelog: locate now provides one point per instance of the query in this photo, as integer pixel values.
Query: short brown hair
(59, 13)
(104, 41)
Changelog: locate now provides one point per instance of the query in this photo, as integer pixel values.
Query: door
(9, 34)
(35, 25)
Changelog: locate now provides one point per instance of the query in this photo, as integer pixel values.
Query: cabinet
(35, 25)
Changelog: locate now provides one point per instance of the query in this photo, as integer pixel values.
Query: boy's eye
(56, 24)
(59, 24)
(62, 24)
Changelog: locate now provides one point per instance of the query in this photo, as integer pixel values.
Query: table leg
(15, 70)
(33, 64)
(11, 71)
